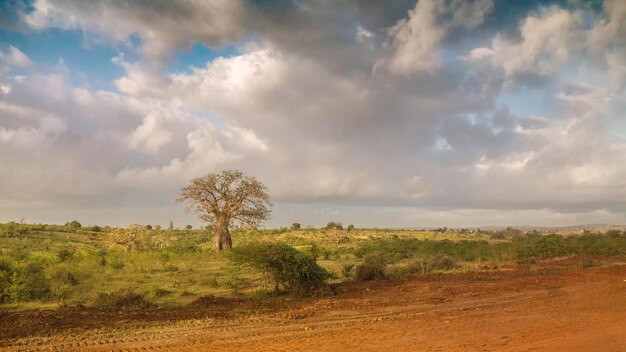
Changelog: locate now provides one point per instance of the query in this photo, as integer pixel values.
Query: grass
(49, 265)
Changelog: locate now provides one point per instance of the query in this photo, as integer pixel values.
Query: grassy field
(51, 265)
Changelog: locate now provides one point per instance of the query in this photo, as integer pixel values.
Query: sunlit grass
(79, 266)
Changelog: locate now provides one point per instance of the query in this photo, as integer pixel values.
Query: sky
(378, 114)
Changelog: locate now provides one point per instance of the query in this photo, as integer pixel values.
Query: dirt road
(556, 306)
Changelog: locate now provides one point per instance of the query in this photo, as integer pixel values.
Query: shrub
(133, 237)
(65, 277)
(32, 283)
(372, 268)
(74, 224)
(614, 233)
(6, 279)
(157, 292)
(65, 254)
(117, 264)
(232, 281)
(423, 266)
(12, 229)
(284, 267)
(497, 236)
(123, 299)
(346, 270)
(295, 226)
(397, 249)
(62, 283)
(334, 226)
(445, 263)
(534, 246)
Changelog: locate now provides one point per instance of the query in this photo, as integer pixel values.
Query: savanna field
(402, 175)
(46, 266)
(77, 288)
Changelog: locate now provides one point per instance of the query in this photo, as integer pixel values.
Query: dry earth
(554, 306)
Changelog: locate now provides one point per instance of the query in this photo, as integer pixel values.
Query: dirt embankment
(556, 306)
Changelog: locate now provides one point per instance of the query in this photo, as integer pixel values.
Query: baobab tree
(227, 199)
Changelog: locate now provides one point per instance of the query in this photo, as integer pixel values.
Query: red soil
(556, 306)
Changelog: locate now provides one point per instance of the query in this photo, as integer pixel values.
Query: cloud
(606, 43)
(14, 57)
(610, 32)
(469, 14)
(162, 26)
(417, 38)
(546, 43)
(344, 107)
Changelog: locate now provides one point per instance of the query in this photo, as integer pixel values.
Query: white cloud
(546, 43)
(417, 38)
(152, 134)
(14, 57)
(309, 119)
(161, 26)
(609, 32)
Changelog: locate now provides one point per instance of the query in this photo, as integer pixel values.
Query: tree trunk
(221, 237)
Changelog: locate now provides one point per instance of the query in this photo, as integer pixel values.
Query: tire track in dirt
(505, 311)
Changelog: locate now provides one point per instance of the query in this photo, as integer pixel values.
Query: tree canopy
(227, 199)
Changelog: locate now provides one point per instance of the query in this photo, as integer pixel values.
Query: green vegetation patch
(284, 267)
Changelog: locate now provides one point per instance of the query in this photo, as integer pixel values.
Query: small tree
(283, 267)
(226, 199)
(6, 280)
(334, 226)
(295, 226)
(134, 236)
(75, 224)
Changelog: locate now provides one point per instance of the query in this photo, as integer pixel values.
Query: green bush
(6, 280)
(537, 247)
(31, 283)
(373, 267)
(284, 267)
(116, 264)
(73, 224)
(65, 277)
(396, 249)
(12, 229)
(63, 282)
(65, 254)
